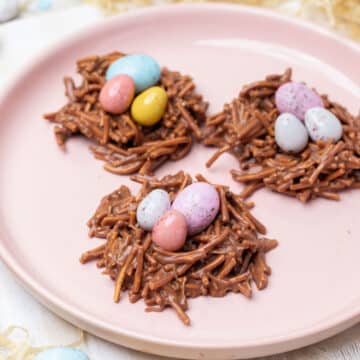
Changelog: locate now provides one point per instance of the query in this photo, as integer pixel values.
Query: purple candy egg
(200, 203)
(296, 98)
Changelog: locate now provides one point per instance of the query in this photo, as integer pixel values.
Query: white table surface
(17, 46)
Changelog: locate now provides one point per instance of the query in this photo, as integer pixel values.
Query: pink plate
(47, 195)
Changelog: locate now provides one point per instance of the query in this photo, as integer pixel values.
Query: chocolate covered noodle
(245, 128)
(228, 256)
(125, 146)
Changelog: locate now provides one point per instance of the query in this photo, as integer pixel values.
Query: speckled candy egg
(150, 209)
(61, 353)
(323, 125)
(200, 203)
(9, 9)
(296, 98)
(290, 133)
(117, 94)
(143, 69)
(170, 231)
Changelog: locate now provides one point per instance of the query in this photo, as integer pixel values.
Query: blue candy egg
(143, 69)
(61, 353)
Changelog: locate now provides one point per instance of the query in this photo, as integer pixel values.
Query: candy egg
(150, 209)
(117, 94)
(9, 9)
(149, 107)
(200, 203)
(170, 231)
(290, 133)
(296, 98)
(323, 125)
(143, 69)
(61, 353)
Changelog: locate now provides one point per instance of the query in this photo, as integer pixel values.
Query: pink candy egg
(170, 231)
(117, 94)
(200, 203)
(296, 98)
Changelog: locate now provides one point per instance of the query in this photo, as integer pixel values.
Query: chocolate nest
(125, 146)
(226, 257)
(245, 128)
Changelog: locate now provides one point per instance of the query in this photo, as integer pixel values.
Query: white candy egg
(150, 209)
(8, 9)
(290, 133)
(323, 125)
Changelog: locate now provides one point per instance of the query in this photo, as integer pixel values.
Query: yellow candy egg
(149, 106)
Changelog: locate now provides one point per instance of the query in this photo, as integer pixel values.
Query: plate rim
(337, 322)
